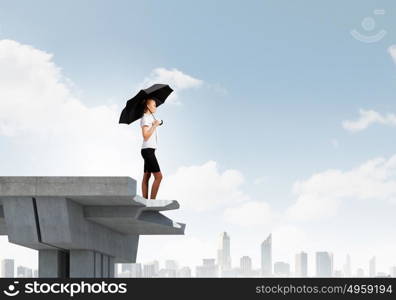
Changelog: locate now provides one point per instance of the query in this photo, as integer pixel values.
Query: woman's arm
(147, 132)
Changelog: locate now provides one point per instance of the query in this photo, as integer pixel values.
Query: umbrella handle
(162, 122)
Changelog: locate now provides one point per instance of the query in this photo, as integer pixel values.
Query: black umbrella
(134, 107)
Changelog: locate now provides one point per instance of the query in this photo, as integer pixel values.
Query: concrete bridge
(81, 226)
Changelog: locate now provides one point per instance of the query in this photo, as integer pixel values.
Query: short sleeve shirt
(151, 142)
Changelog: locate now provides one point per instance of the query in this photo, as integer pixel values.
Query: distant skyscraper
(348, 266)
(171, 264)
(126, 267)
(208, 268)
(24, 272)
(150, 269)
(184, 272)
(131, 270)
(136, 270)
(372, 268)
(266, 257)
(7, 268)
(246, 266)
(392, 271)
(156, 265)
(223, 252)
(209, 262)
(171, 268)
(281, 269)
(324, 264)
(301, 264)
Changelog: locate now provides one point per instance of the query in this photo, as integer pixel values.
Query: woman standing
(149, 132)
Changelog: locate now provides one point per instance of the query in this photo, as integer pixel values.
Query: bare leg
(145, 184)
(156, 183)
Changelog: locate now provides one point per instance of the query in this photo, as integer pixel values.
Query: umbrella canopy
(134, 109)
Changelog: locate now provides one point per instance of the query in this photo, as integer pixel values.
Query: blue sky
(279, 79)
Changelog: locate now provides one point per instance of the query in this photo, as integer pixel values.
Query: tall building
(301, 264)
(266, 257)
(184, 272)
(208, 268)
(130, 270)
(223, 252)
(7, 268)
(281, 269)
(392, 271)
(170, 270)
(245, 266)
(136, 270)
(24, 272)
(347, 266)
(372, 268)
(126, 267)
(324, 264)
(171, 264)
(151, 269)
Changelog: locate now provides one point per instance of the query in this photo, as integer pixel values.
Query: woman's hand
(156, 123)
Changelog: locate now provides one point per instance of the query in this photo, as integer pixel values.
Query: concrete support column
(105, 264)
(82, 263)
(111, 267)
(88, 263)
(53, 263)
(98, 265)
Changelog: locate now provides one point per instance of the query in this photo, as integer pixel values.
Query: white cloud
(368, 117)
(321, 195)
(40, 114)
(175, 78)
(40, 111)
(392, 52)
(250, 213)
(204, 187)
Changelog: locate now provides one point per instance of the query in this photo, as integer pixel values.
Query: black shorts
(150, 161)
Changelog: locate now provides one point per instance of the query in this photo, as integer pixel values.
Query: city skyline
(281, 123)
(324, 265)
